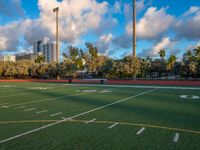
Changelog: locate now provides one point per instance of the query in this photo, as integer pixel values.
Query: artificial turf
(161, 111)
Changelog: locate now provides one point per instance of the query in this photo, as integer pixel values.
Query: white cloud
(73, 15)
(188, 26)
(104, 43)
(192, 10)
(75, 19)
(165, 43)
(117, 7)
(11, 34)
(3, 42)
(11, 8)
(128, 11)
(154, 24)
(106, 38)
(140, 5)
(129, 28)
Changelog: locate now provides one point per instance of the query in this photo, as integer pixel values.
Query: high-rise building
(11, 58)
(45, 47)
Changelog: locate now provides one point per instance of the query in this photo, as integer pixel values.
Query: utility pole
(134, 29)
(57, 38)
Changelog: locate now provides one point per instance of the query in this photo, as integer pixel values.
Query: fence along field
(64, 116)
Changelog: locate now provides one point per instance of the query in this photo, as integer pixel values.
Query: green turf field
(47, 116)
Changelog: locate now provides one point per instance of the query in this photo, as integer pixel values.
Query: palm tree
(162, 54)
(193, 68)
(171, 61)
(197, 53)
(188, 56)
(197, 58)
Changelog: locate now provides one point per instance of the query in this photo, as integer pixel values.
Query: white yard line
(46, 91)
(112, 126)
(176, 137)
(140, 131)
(67, 119)
(56, 114)
(48, 99)
(3, 104)
(42, 111)
(90, 121)
(72, 117)
(136, 86)
(30, 109)
(15, 95)
(4, 107)
(20, 107)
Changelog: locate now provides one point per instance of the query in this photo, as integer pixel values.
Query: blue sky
(170, 24)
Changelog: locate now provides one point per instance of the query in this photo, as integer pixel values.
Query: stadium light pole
(134, 29)
(56, 10)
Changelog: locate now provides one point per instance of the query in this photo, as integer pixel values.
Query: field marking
(20, 107)
(40, 88)
(104, 122)
(106, 91)
(176, 137)
(3, 104)
(89, 91)
(4, 107)
(6, 86)
(90, 121)
(30, 109)
(15, 95)
(113, 125)
(192, 97)
(56, 114)
(67, 119)
(136, 86)
(72, 117)
(42, 111)
(48, 99)
(32, 92)
(140, 131)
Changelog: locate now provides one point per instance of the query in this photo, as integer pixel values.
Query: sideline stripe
(15, 95)
(136, 86)
(72, 117)
(56, 114)
(48, 99)
(176, 137)
(20, 107)
(40, 112)
(33, 92)
(112, 125)
(104, 122)
(90, 121)
(140, 131)
(30, 109)
(3, 104)
(4, 107)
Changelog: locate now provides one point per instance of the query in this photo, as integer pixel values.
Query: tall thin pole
(134, 29)
(57, 35)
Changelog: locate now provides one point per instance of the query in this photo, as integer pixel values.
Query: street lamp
(57, 38)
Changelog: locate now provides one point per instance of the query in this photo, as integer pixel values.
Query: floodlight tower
(56, 10)
(134, 29)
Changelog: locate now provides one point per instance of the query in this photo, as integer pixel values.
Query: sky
(173, 25)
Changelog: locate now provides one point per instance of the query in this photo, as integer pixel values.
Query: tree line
(90, 64)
